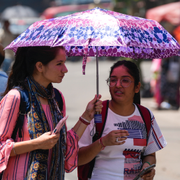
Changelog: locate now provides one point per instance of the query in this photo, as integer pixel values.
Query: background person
(42, 155)
(155, 82)
(123, 150)
(6, 37)
(170, 82)
(3, 75)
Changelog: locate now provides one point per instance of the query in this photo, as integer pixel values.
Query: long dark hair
(133, 71)
(24, 64)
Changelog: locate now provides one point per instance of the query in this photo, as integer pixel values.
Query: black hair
(1, 59)
(133, 71)
(25, 60)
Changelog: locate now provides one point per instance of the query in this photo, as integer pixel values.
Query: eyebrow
(60, 61)
(122, 76)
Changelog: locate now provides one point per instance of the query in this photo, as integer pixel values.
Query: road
(78, 89)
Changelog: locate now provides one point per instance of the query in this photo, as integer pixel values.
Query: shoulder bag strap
(146, 116)
(23, 110)
(99, 131)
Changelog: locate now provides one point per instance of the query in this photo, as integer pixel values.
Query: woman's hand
(150, 175)
(93, 106)
(46, 140)
(115, 137)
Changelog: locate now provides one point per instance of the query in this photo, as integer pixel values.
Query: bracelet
(100, 141)
(147, 162)
(85, 121)
(14, 149)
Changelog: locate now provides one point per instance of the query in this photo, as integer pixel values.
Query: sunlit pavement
(78, 89)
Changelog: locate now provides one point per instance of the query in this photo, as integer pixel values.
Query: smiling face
(54, 71)
(121, 94)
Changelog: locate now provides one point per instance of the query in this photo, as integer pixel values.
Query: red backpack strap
(100, 126)
(85, 171)
(146, 116)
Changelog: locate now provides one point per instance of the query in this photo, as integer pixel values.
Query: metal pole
(97, 72)
(97, 116)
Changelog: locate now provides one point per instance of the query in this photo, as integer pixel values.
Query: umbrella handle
(97, 116)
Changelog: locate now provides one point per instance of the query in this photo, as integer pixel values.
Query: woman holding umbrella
(39, 153)
(125, 147)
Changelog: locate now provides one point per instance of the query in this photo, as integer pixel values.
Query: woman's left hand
(93, 106)
(150, 175)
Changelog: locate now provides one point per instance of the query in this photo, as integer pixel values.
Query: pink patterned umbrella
(98, 32)
(103, 33)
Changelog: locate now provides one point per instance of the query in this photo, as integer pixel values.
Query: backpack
(24, 108)
(85, 171)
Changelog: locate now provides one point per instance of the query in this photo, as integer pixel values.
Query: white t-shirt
(123, 162)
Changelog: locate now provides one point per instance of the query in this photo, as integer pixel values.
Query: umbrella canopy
(100, 32)
(169, 12)
(97, 30)
(18, 11)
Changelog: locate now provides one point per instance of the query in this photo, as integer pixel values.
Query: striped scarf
(37, 125)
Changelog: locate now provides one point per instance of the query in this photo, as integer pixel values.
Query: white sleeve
(86, 138)
(156, 140)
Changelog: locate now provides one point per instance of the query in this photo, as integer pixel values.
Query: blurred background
(22, 13)
(160, 77)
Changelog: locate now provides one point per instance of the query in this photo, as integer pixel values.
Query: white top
(123, 162)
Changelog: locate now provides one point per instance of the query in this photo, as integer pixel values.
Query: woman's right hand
(46, 140)
(93, 106)
(115, 137)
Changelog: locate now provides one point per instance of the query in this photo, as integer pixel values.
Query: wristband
(147, 163)
(100, 141)
(84, 121)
